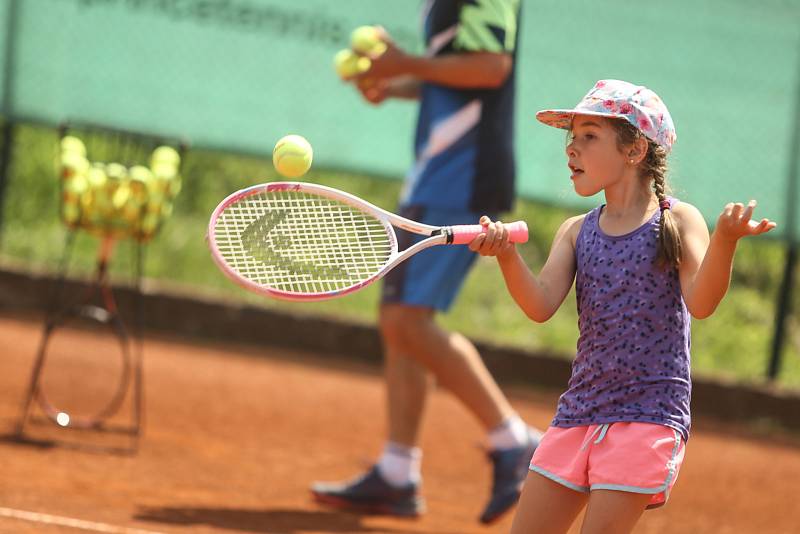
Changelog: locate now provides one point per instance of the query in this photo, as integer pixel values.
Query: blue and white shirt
(464, 143)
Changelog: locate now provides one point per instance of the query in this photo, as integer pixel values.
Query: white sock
(400, 465)
(511, 433)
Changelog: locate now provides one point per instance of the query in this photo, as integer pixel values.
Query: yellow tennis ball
(292, 156)
(116, 171)
(75, 185)
(73, 164)
(165, 154)
(367, 40)
(97, 176)
(164, 171)
(72, 145)
(348, 64)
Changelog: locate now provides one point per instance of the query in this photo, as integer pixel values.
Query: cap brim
(562, 118)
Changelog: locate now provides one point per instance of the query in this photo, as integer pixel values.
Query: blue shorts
(432, 277)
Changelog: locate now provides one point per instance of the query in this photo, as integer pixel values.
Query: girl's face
(593, 156)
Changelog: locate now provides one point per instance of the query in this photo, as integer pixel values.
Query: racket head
(86, 347)
(299, 241)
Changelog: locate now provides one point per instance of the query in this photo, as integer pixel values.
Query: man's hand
(390, 63)
(374, 91)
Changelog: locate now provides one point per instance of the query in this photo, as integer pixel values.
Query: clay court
(235, 434)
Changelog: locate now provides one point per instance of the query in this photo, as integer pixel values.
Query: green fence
(238, 74)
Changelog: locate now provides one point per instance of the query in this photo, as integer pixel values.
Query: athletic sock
(400, 465)
(511, 433)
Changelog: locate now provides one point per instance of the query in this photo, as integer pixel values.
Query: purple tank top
(632, 362)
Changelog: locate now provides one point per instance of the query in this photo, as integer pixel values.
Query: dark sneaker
(370, 493)
(510, 470)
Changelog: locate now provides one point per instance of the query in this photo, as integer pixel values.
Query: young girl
(642, 263)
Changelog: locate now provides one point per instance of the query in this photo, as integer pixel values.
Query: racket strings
(301, 242)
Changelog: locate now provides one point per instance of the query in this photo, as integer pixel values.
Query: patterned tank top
(632, 361)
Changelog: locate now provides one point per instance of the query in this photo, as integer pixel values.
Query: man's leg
(392, 485)
(407, 388)
(412, 332)
(414, 343)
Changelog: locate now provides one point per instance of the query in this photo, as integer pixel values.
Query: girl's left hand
(735, 222)
(494, 242)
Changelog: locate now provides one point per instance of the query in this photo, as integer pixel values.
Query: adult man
(464, 168)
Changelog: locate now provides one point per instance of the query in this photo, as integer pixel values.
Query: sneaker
(371, 493)
(510, 470)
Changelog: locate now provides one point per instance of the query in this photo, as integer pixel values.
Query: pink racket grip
(464, 233)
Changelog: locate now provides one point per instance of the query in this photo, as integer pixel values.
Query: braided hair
(654, 168)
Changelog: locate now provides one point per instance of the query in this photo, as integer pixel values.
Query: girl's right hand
(494, 242)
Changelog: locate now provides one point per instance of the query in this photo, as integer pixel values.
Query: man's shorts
(430, 278)
(634, 457)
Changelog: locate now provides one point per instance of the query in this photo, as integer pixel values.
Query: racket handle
(464, 233)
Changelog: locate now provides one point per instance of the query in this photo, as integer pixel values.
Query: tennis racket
(300, 241)
(78, 383)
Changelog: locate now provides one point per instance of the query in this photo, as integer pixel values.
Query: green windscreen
(239, 74)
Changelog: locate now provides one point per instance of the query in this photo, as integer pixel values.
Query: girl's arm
(538, 296)
(707, 262)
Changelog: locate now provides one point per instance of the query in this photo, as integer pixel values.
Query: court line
(61, 521)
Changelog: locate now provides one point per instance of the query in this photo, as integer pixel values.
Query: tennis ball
(73, 164)
(97, 176)
(165, 179)
(164, 170)
(75, 186)
(367, 40)
(165, 154)
(116, 172)
(348, 64)
(120, 196)
(140, 177)
(292, 156)
(72, 145)
(97, 199)
(116, 193)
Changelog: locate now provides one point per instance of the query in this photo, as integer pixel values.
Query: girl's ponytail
(654, 167)
(669, 239)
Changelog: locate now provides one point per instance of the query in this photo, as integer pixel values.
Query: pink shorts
(634, 457)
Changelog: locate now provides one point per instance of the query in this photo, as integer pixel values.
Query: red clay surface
(234, 435)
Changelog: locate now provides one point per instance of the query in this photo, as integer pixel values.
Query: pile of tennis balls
(112, 199)
(364, 41)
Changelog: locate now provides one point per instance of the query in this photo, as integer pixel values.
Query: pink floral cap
(614, 98)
